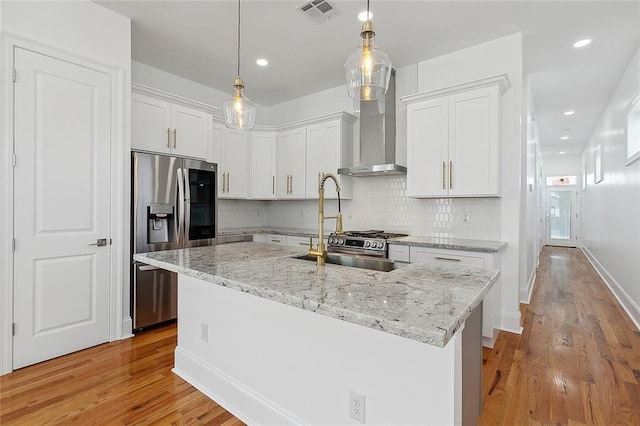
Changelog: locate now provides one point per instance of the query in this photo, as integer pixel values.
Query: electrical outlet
(356, 405)
(466, 217)
(301, 213)
(204, 332)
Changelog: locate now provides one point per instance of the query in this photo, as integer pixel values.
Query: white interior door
(561, 217)
(62, 192)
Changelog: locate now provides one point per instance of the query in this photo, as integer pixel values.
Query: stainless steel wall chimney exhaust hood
(377, 137)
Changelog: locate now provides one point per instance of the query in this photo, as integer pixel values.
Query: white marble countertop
(426, 302)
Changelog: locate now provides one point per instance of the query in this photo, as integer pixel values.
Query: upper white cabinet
(329, 147)
(453, 140)
(290, 163)
(230, 150)
(158, 125)
(263, 165)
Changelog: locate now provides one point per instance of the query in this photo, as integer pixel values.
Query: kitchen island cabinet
(279, 340)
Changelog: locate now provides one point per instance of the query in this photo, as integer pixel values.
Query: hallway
(578, 359)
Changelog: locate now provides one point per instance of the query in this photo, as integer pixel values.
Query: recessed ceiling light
(569, 112)
(362, 16)
(262, 62)
(564, 138)
(562, 152)
(582, 43)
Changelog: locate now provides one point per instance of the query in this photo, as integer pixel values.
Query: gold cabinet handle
(223, 173)
(175, 138)
(444, 171)
(450, 174)
(273, 184)
(291, 184)
(168, 137)
(228, 182)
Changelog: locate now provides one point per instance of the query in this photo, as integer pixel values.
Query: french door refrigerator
(174, 205)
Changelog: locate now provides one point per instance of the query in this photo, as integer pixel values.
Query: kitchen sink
(354, 261)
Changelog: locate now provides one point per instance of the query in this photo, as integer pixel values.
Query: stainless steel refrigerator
(174, 205)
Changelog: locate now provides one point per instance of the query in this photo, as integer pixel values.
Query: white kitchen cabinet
(160, 126)
(230, 150)
(490, 305)
(453, 140)
(399, 252)
(329, 147)
(278, 239)
(263, 165)
(290, 164)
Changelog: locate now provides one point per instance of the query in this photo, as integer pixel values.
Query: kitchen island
(279, 340)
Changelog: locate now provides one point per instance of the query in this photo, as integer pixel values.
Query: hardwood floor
(577, 362)
(578, 359)
(128, 382)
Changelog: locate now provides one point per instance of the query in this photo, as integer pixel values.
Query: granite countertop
(426, 302)
(297, 232)
(483, 246)
(451, 243)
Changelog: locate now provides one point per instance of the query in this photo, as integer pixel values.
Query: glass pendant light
(368, 69)
(239, 111)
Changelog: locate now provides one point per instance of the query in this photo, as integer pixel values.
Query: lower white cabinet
(491, 303)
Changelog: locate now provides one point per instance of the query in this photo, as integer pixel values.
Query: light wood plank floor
(577, 362)
(578, 359)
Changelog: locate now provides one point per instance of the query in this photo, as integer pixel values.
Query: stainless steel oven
(369, 243)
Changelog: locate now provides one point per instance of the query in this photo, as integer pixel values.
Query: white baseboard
(127, 327)
(629, 306)
(525, 293)
(245, 404)
(510, 321)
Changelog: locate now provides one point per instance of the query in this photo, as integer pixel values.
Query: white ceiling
(197, 40)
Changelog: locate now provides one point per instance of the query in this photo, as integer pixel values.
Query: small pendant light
(367, 70)
(239, 111)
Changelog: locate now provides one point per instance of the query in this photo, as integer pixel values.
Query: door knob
(101, 242)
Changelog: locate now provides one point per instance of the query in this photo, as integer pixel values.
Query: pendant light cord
(239, 37)
(368, 19)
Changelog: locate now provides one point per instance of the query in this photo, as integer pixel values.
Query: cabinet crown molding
(340, 115)
(147, 90)
(500, 80)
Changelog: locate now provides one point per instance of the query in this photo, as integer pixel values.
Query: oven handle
(373, 253)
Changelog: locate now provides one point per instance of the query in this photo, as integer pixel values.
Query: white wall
(534, 188)
(162, 80)
(498, 56)
(611, 208)
(562, 165)
(79, 29)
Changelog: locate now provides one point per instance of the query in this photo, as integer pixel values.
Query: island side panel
(269, 363)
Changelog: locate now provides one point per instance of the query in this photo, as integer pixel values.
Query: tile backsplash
(379, 203)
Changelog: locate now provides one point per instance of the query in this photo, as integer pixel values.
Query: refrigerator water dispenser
(160, 223)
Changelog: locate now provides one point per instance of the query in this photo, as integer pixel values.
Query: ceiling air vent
(318, 10)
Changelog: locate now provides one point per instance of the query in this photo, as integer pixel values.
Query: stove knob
(379, 244)
(367, 244)
(342, 241)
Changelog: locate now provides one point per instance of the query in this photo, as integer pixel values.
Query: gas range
(371, 243)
